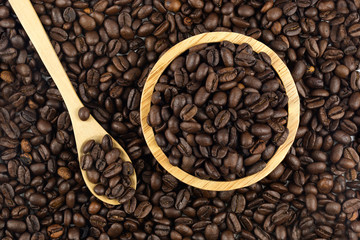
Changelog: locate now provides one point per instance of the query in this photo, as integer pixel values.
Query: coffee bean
(342, 137)
(292, 29)
(336, 113)
(16, 226)
(201, 97)
(23, 174)
(32, 223)
(212, 82)
(324, 231)
(212, 231)
(97, 221)
(333, 208)
(38, 199)
(271, 196)
(58, 34)
(312, 47)
(87, 22)
(222, 118)
(112, 170)
(351, 205)
(355, 226)
(55, 231)
(182, 199)
(184, 147)
(354, 101)
(238, 203)
(143, 209)
(19, 212)
(84, 113)
(69, 14)
(233, 223)
(188, 112)
(354, 30)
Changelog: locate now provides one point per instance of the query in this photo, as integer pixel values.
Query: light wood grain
(293, 110)
(83, 130)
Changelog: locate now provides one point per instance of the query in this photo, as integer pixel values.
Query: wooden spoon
(293, 110)
(83, 130)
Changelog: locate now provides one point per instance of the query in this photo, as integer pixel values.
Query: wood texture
(83, 130)
(293, 110)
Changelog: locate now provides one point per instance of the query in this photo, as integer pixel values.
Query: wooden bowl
(293, 110)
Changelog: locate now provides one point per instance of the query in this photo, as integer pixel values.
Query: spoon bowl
(91, 129)
(277, 64)
(83, 130)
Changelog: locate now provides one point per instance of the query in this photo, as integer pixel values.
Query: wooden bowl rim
(285, 77)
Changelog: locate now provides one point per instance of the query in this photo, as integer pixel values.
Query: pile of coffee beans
(108, 48)
(105, 168)
(219, 111)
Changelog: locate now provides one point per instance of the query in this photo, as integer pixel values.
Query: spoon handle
(36, 32)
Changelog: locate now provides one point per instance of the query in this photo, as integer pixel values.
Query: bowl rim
(212, 37)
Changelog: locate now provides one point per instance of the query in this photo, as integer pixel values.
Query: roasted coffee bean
(292, 29)
(33, 224)
(351, 205)
(55, 231)
(16, 226)
(84, 113)
(188, 112)
(221, 119)
(238, 203)
(182, 199)
(212, 82)
(184, 147)
(58, 34)
(324, 231)
(333, 208)
(143, 209)
(245, 59)
(19, 212)
(201, 96)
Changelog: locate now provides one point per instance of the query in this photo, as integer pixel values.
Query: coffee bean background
(226, 114)
(108, 47)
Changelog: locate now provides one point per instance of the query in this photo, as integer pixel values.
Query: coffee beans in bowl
(219, 111)
(107, 170)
